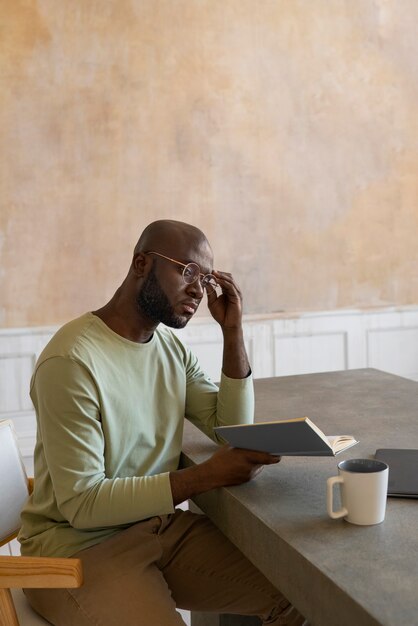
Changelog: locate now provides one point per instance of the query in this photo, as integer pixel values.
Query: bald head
(171, 237)
(154, 290)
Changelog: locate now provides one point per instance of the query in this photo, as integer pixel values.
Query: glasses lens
(191, 273)
(209, 281)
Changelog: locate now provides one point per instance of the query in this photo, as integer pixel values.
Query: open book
(294, 437)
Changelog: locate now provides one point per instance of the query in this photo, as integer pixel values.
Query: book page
(341, 442)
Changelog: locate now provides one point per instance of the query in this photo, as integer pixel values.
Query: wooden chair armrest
(37, 571)
(30, 484)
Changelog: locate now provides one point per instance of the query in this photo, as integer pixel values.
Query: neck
(123, 317)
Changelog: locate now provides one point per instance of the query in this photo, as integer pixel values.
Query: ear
(140, 264)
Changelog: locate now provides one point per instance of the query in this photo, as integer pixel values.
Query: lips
(189, 307)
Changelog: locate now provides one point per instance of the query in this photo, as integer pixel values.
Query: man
(111, 390)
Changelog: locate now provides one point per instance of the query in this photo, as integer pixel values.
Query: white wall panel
(303, 354)
(209, 355)
(15, 373)
(394, 350)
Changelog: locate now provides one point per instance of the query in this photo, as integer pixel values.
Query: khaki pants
(139, 577)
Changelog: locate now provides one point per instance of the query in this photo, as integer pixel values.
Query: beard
(152, 302)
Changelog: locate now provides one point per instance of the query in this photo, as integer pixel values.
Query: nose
(196, 289)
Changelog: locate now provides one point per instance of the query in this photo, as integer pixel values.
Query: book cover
(293, 437)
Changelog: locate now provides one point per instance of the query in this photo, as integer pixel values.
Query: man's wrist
(191, 481)
(233, 332)
(235, 362)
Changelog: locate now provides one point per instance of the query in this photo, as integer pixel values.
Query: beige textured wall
(286, 129)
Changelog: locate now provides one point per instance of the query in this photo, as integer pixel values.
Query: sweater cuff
(236, 383)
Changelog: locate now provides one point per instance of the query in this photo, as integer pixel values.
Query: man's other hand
(234, 466)
(228, 466)
(225, 308)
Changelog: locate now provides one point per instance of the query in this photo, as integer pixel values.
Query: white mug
(363, 485)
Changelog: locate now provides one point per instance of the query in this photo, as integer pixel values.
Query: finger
(212, 297)
(211, 293)
(224, 277)
(228, 285)
(269, 459)
(273, 458)
(262, 458)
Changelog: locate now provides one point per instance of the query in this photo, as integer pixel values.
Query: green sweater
(110, 416)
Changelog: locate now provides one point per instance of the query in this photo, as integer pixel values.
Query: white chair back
(13, 482)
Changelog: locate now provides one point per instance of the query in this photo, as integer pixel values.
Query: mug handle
(330, 484)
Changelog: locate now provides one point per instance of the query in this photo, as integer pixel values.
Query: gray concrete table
(335, 573)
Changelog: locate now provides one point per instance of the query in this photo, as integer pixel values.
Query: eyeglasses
(191, 272)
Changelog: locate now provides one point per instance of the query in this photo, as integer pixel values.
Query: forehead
(191, 249)
(200, 253)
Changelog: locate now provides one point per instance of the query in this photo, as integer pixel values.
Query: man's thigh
(206, 572)
(122, 585)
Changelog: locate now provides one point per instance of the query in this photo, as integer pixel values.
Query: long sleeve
(208, 405)
(68, 408)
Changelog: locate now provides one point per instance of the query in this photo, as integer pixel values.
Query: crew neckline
(133, 344)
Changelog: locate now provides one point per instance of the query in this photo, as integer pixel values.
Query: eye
(188, 272)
